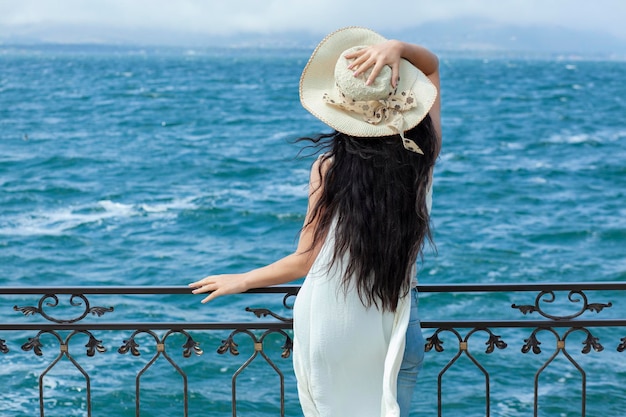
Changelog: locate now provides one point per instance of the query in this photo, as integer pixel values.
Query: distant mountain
(466, 35)
(488, 36)
(457, 36)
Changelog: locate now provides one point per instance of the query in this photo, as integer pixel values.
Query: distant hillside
(487, 36)
(463, 35)
(469, 35)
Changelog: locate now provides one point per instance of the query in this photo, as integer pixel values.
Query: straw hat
(329, 90)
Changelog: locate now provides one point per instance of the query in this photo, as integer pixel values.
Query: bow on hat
(388, 111)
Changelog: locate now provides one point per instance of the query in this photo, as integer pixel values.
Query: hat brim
(318, 78)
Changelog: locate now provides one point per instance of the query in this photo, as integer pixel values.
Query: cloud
(207, 18)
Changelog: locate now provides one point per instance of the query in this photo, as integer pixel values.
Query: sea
(148, 166)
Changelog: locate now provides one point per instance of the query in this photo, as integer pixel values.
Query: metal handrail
(293, 289)
(461, 330)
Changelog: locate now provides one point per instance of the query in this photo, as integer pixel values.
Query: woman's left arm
(289, 268)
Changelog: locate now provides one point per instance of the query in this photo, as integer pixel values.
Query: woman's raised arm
(390, 53)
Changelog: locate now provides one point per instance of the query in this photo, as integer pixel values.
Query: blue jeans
(412, 359)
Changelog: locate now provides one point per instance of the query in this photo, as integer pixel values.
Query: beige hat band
(389, 111)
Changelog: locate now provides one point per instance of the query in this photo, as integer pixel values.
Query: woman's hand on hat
(376, 57)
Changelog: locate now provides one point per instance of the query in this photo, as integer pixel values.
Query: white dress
(346, 357)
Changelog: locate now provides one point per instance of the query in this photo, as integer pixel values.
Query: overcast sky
(78, 20)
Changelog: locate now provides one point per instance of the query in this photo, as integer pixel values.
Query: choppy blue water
(127, 166)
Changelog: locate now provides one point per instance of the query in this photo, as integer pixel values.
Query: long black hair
(375, 192)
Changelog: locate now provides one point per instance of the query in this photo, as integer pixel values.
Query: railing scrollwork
(549, 297)
(261, 334)
(76, 300)
(434, 342)
(34, 343)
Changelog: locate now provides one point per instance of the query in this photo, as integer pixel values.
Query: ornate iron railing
(65, 314)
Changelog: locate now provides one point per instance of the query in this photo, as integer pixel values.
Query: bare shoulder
(322, 164)
(318, 172)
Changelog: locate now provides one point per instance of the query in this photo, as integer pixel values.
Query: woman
(357, 341)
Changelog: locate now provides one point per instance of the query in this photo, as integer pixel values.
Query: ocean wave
(600, 136)
(60, 221)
